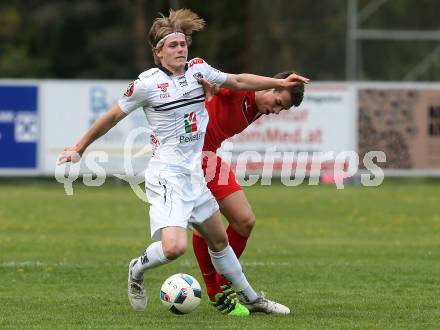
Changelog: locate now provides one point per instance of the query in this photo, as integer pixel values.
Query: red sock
(238, 244)
(205, 265)
(237, 241)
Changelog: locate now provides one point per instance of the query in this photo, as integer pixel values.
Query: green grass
(365, 258)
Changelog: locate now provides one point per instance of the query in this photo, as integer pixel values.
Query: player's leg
(205, 217)
(172, 245)
(234, 206)
(237, 210)
(225, 261)
(221, 184)
(205, 264)
(169, 216)
(224, 302)
(223, 257)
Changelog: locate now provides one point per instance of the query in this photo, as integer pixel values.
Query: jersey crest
(130, 89)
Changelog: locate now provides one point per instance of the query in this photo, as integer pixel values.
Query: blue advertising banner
(18, 127)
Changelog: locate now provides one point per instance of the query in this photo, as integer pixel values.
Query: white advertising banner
(324, 122)
(69, 109)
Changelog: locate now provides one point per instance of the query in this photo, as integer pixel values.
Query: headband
(162, 41)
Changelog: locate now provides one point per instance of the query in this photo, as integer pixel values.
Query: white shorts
(177, 200)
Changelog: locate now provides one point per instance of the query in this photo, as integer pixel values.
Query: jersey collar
(168, 72)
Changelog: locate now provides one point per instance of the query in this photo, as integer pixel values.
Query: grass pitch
(366, 258)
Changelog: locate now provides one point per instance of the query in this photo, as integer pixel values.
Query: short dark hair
(296, 92)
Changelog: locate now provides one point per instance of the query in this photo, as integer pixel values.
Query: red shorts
(219, 177)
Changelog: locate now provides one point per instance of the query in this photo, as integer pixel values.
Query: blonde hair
(182, 20)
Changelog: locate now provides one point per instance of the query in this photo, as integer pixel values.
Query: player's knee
(220, 243)
(174, 250)
(246, 224)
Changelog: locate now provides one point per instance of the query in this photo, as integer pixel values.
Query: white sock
(226, 263)
(153, 257)
(247, 296)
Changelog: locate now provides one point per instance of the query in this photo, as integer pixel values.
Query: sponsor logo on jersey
(197, 76)
(130, 89)
(195, 61)
(191, 138)
(190, 121)
(164, 96)
(183, 82)
(163, 87)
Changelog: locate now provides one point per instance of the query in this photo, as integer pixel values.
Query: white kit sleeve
(136, 96)
(213, 75)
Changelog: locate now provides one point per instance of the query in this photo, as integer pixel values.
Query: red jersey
(230, 112)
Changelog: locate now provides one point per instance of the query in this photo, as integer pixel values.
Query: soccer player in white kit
(172, 99)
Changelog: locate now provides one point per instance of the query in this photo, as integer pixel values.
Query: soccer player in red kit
(230, 113)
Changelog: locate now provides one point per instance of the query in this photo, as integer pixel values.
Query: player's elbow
(113, 121)
(234, 82)
(239, 83)
(115, 115)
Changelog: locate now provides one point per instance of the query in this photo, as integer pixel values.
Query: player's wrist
(80, 149)
(282, 83)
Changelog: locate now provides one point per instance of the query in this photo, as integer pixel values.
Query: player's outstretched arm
(101, 126)
(250, 82)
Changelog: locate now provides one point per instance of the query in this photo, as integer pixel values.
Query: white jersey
(175, 111)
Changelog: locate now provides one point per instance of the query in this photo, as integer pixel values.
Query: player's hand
(70, 154)
(295, 79)
(209, 88)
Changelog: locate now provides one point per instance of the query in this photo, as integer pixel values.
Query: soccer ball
(180, 293)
